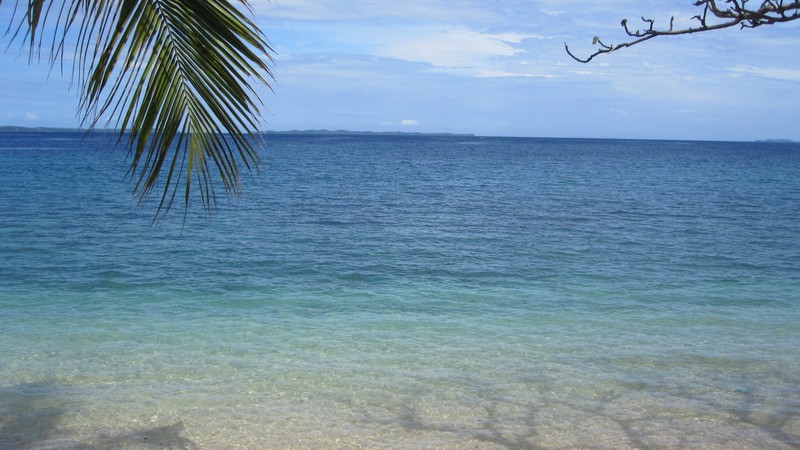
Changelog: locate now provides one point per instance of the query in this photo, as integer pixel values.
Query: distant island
(321, 132)
(778, 141)
(367, 133)
(17, 129)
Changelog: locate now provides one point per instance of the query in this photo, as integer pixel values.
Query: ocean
(405, 292)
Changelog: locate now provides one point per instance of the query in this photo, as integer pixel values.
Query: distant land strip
(359, 133)
(17, 129)
(777, 141)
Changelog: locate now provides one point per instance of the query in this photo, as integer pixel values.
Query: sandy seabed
(626, 420)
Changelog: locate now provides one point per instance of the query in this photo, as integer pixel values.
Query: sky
(491, 68)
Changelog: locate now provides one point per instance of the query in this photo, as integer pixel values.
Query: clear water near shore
(407, 292)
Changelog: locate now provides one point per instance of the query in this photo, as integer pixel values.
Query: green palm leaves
(178, 78)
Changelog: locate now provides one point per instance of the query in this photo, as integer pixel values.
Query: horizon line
(324, 131)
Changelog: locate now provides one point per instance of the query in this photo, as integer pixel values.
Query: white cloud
(505, 74)
(776, 73)
(359, 10)
(552, 12)
(442, 48)
(31, 116)
(454, 47)
(409, 122)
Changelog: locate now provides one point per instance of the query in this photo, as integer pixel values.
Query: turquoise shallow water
(406, 292)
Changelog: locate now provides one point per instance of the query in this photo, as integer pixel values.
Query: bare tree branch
(713, 17)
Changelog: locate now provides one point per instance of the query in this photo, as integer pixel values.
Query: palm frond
(179, 79)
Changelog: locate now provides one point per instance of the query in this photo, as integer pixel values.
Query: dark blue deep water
(405, 292)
